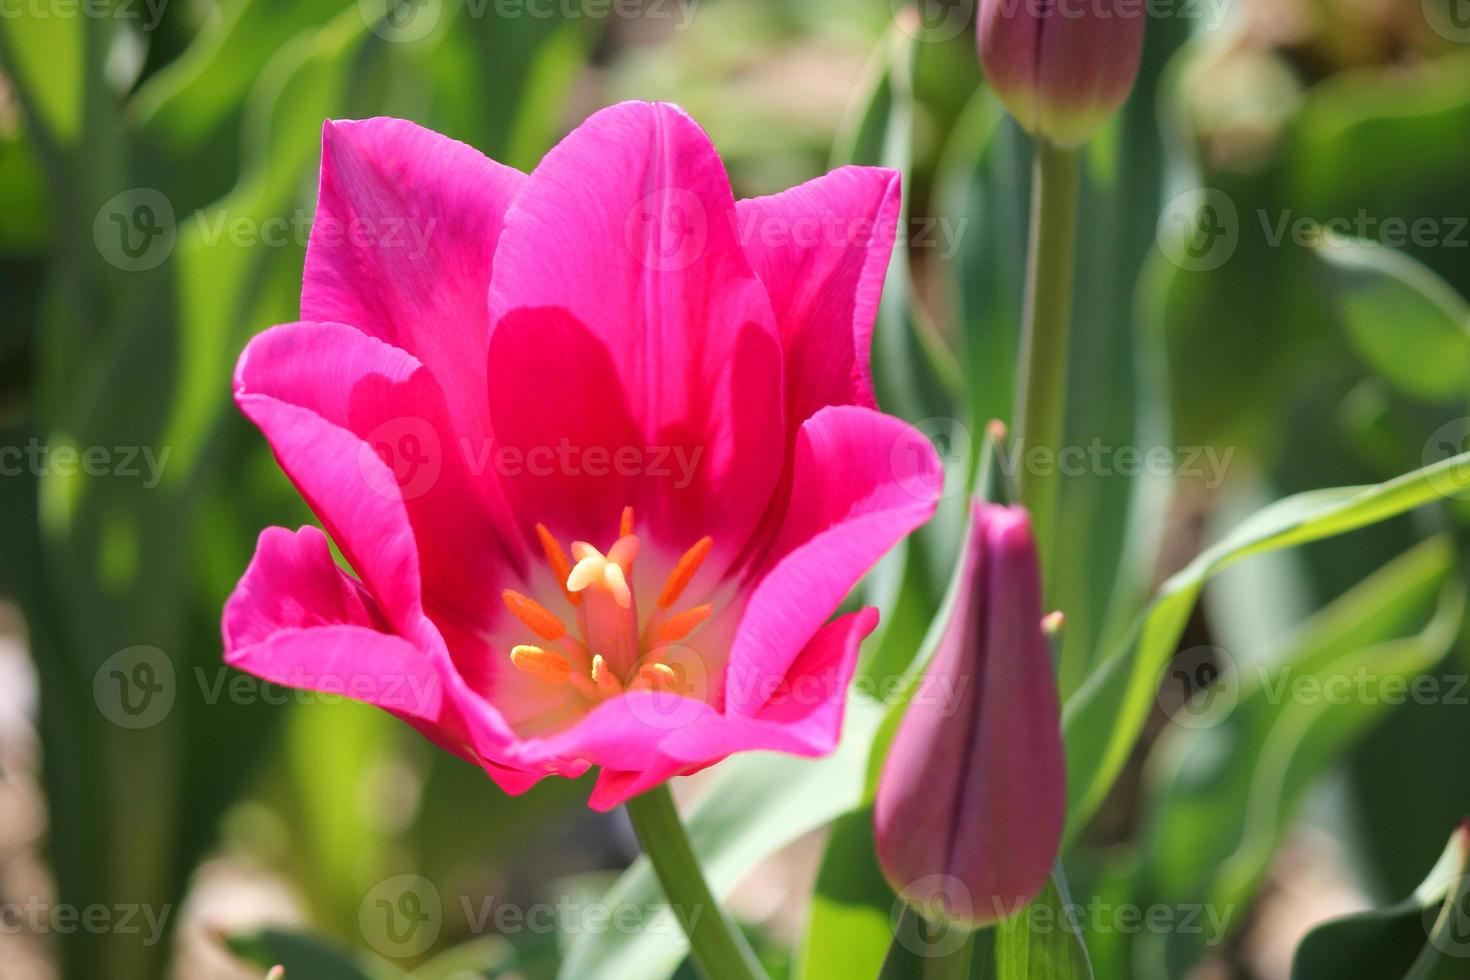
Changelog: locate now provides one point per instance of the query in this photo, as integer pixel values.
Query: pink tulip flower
(971, 801)
(598, 444)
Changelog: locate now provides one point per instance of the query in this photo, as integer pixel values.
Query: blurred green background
(158, 164)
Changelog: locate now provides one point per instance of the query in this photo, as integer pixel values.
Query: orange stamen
(542, 621)
(540, 664)
(685, 571)
(684, 623)
(557, 559)
(625, 526)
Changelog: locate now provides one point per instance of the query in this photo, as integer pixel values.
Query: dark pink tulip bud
(971, 803)
(1062, 67)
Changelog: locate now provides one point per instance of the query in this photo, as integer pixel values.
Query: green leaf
(851, 926)
(307, 957)
(758, 804)
(1102, 720)
(1043, 942)
(1407, 323)
(1425, 937)
(1225, 780)
(483, 957)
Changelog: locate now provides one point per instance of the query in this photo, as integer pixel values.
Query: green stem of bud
(1041, 406)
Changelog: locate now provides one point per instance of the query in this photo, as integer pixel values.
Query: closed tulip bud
(971, 802)
(1062, 67)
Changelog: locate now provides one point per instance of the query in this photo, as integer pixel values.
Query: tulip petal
(644, 257)
(406, 229)
(393, 459)
(862, 480)
(298, 620)
(822, 250)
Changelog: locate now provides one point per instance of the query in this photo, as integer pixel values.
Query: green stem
(720, 951)
(1041, 406)
(953, 966)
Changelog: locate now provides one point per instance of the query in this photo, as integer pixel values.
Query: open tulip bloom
(599, 444)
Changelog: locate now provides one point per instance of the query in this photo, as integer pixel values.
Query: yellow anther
(658, 675)
(684, 571)
(604, 679)
(540, 664)
(684, 623)
(542, 621)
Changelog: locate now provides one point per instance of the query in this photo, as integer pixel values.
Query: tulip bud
(1062, 67)
(971, 802)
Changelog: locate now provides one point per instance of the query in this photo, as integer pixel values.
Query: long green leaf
(1103, 719)
(1224, 782)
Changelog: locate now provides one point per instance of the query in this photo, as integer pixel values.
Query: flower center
(611, 650)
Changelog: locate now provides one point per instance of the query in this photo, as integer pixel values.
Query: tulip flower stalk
(1041, 406)
(1062, 70)
(719, 949)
